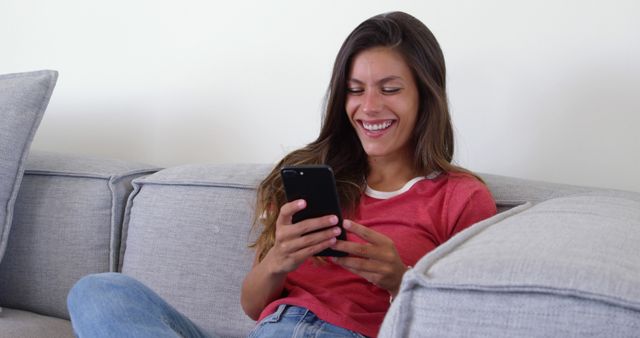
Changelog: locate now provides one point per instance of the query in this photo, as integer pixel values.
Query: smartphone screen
(316, 185)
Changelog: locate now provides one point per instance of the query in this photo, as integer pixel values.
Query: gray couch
(557, 260)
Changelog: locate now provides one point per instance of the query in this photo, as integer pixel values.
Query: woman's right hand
(291, 248)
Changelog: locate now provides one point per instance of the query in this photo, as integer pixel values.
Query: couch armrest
(567, 266)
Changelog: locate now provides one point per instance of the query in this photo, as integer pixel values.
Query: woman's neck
(390, 173)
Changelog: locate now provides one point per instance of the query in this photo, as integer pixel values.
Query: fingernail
(333, 220)
(300, 203)
(346, 224)
(337, 231)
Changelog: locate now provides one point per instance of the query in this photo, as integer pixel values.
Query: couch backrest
(510, 191)
(187, 229)
(66, 225)
(186, 235)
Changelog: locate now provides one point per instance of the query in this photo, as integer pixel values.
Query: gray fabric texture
(552, 267)
(468, 313)
(67, 224)
(22, 324)
(187, 231)
(23, 99)
(511, 191)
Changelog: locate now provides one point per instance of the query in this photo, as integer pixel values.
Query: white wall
(545, 90)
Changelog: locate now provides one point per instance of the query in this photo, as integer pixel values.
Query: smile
(377, 126)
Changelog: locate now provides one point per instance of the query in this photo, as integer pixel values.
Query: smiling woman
(387, 135)
(382, 105)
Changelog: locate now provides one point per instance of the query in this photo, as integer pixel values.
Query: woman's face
(382, 102)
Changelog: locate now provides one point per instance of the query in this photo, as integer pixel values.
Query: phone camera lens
(289, 173)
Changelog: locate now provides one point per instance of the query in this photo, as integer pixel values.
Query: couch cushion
(187, 234)
(67, 224)
(566, 267)
(23, 100)
(24, 324)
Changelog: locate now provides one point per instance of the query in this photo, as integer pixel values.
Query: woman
(387, 135)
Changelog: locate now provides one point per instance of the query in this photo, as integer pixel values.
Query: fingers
(375, 260)
(314, 224)
(310, 242)
(365, 233)
(308, 229)
(362, 265)
(386, 275)
(375, 273)
(294, 243)
(365, 250)
(288, 210)
(314, 249)
(377, 246)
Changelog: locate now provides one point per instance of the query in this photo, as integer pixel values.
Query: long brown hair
(338, 144)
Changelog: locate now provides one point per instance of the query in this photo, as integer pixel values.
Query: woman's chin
(375, 152)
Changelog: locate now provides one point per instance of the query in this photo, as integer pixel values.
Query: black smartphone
(316, 185)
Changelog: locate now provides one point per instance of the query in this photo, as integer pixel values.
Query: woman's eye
(390, 90)
(355, 90)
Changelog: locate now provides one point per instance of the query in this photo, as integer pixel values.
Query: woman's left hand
(376, 260)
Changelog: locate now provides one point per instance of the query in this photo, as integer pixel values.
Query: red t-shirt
(418, 218)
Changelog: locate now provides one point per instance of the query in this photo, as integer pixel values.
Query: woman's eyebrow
(379, 82)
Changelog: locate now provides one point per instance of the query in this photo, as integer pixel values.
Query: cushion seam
(538, 289)
(88, 175)
(197, 184)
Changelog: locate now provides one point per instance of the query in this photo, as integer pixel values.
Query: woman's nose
(372, 102)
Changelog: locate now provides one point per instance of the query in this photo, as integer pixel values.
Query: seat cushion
(566, 267)
(23, 100)
(187, 234)
(67, 224)
(23, 324)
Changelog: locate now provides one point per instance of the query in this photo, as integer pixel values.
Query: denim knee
(91, 289)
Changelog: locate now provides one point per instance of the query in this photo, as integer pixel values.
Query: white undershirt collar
(384, 195)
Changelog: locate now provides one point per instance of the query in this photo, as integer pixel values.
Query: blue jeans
(294, 321)
(116, 305)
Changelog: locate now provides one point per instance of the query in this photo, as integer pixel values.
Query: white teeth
(375, 127)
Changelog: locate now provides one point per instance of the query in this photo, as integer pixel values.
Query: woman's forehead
(378, 64)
